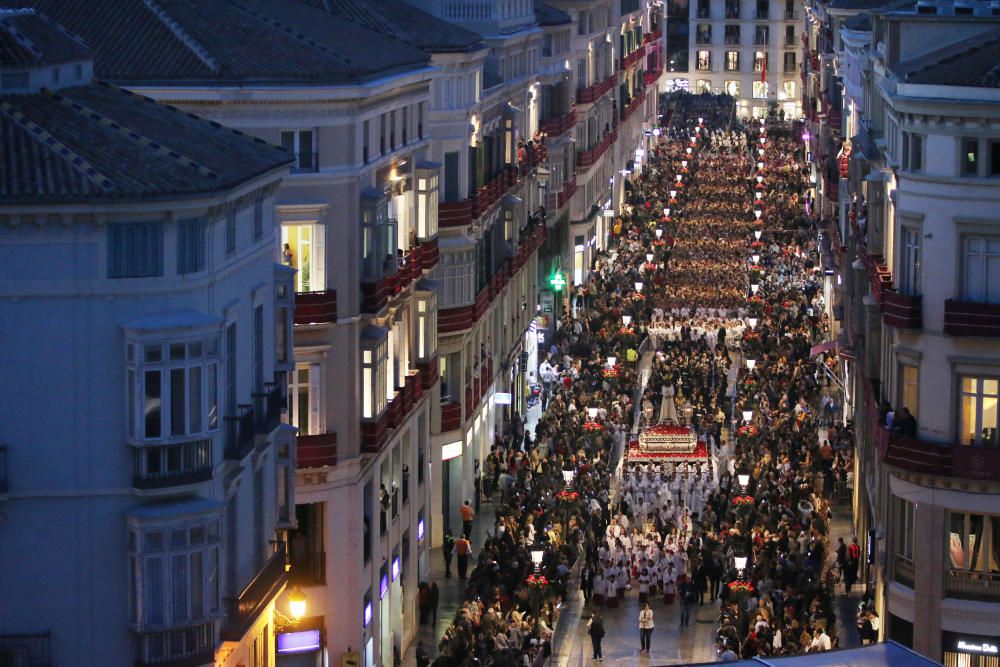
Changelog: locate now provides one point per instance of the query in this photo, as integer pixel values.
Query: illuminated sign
(395, 568)
(503, 399)
(368, 613)
(978, 647)
(451, 450)
(383, 585)
(420, 529)
(299, 642)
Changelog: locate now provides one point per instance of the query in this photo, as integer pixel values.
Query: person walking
(423, 601)
(587, 584)
(645, 628)
(853, 560)
(595, 628)
(688, 598)
(463, 549)
(433, 599)
(448, 548)
(423, 660)
(468, 514)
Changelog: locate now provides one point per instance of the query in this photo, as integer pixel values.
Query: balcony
(172, 465)
(903, 570)
(451, 416)
(557, 125)
(652, 37)
(969, 585)
(373, 431)
(532, 156)
(186, 646)
(25, 650)
(316, 307)
(918, 455)
(308, 569)
(454, 214)
(593, 93)
(316, 451)
(902, 311)
(564, 195)
(585, 159)
(428, 373)
(633, 105)
(305, 163)
(240, 432)
(242, 611)
(269, 406)
(429, 254)
(633, 58)
(965, 318)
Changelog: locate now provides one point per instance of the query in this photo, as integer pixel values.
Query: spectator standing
(448, 548)
(468, 514)
(595, 628)
(463, 549)
(645, 628)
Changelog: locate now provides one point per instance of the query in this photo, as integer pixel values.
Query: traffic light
(557, 281)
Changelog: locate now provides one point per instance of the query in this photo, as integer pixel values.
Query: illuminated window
(733, 88)
(789, 87)
(704, 62)
(427, 204)
(979, 410)
(732, 61)
(981, 269)
(374, 360)
(703, 86)
(760, 90)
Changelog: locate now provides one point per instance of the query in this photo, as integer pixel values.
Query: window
(427, 203)
(732, 88)
(704, 62)
(258, 219)
(190, 246)
(378, 239)
(366, 135)
(392, 129)
(258, 518)
(913, 151)
(789, 35)
(374, 360)
(763, 10)
(230, 231)
(759, 58)
(760, 90)
(305, 252)
(174, 575)
(454, 272)
(732, 61)
(732, 9)
(420, 120)
(909, 261)
(981, 269)
(979, 411)
(582, 23)
(426, 324)
(789, 87)
(791, 66)
(790, 12)
(761, 35)
(704, 34)
(970, 156)
(903, 524)
(135, 250)
(994, 169)
(732, 34)
(176, 383)
(909, 387)
(973, 542)
(304, 389)
(301, 144)
(703, 86)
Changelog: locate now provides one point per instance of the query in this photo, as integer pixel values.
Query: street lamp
(747, 415)
(751, 364)
(758, 194)
(701, 120)
(679, 177)
(612, 361)
(592, 413)
(760, 165)
(626, 320)
(760, 179)
(684, 164)
(673, 193)
(755, 258)
(757, 233)
(744, 480)
(297, 603)
(537, 554)
(638, 287)
(649, 257)
(568, 475)
(659, 232)
(688, 149)
(741, 564)
(760, 151)
(754, 287)
(757, 213)
(752, 321)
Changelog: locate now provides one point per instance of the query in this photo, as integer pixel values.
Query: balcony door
(304, 389)
(303, 248)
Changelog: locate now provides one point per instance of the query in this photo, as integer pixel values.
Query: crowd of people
(679, 274)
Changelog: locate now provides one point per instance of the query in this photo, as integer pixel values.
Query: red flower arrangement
(649, 266)
(592, 426)
(756, 267)
(638, 296)
(756, 245)
(567, 496)
(537, 581)
(742, 501)
(611, 372)
(751, 336)
(755, 300)
(659, 243)
(626, 331)
(786, 304)
(740, 586)
(747, 431)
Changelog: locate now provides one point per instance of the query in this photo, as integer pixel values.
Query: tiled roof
(99, 142)
(405, 23)
(226, 40)
(971, 62)
(549, 15)
(30, 39)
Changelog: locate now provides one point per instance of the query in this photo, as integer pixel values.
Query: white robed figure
(668, 409)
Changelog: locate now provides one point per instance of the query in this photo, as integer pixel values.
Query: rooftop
(973, 62)
(547, 15)
(101, 143)
(210, 41)
(29, 39)
(404, 22)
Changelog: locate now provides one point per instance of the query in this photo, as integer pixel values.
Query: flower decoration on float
(747, 431)
(743, 501)
(567, 496)
(740, 586)
(753, 336)
(611, 372)
(592, 426)
(537, 581)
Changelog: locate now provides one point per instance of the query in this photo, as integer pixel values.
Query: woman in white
(668, 410)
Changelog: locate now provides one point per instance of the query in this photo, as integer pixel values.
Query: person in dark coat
(595, 628)
(447, 547)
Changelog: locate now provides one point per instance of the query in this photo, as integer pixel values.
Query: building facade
(749, 49)
(140, 277)
(916, 186)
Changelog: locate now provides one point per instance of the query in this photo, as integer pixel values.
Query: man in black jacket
(595, 628)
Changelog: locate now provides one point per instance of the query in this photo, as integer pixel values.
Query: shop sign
(985, 648)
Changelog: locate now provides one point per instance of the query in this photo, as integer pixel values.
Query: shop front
(964, 650)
